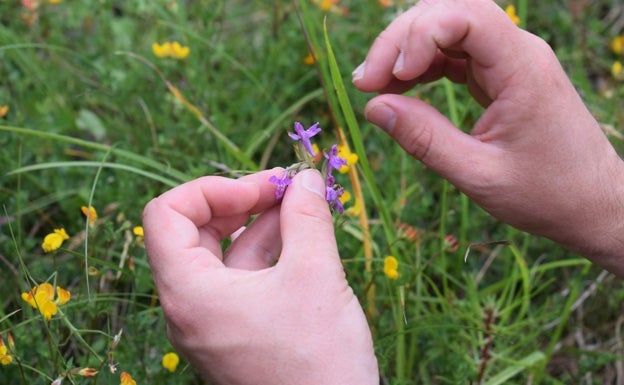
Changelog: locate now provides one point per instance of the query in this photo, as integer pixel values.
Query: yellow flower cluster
(4, 110)
(42, 297)
(54, 241)
(391, 267)
(170, 49)
(617, 47)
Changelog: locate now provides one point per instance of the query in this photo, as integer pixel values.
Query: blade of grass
(51, 165)
(358, 143)
(175, 175)
(512, 370)
(312, 33)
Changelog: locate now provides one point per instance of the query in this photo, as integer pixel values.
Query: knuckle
(417, 140)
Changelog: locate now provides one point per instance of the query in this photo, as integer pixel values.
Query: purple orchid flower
(281, 183)
(334, 162)
(332, 196)
(304, 135)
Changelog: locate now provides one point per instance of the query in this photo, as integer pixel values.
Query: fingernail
(398, 64)
(358, 73)
(313, 181)
(381, 115)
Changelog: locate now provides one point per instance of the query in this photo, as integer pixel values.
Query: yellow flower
(42, 297)
(617, 71)
(510, 10)
(617, 44)
(329, 5)
(126, 379)
(326, 5)
(170, 49)
(54, 241)
(178, 51)
(170, 361)
(345, 153)
(90, 213)
(161, 50)
(345, 197)
(308, 60)
(5, 357)
(138, 231)
(54, 2)
(4, 110)
(391, 266)
(354, 210)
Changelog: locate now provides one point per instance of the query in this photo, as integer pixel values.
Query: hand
(536, 158)
(239, 316)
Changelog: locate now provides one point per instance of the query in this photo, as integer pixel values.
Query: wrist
(601, 238)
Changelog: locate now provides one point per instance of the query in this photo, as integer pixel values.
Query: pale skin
(535, 159)
(239, 317)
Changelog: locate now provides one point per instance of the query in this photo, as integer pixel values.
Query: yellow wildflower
(5, 357)
(54, 2)
(126, 379)
(170, 361)
(510, 10)
(161, 50)
(617, 70)
(617, 44)
(42, 297)
(54, 241)
(309, 60)
(326, 5)
(345, 197)
(345, 153)
(170, 49)
(4, 110)
(179, 51)
(329, 5)
(138, 231)
(90, 213)
(391, 266)
(354, 210)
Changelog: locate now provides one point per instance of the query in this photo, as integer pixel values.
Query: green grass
(93, 120)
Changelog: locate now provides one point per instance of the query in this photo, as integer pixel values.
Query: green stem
(401, 343)
(522, 13)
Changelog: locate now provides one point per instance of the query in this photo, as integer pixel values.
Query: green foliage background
(91, 120)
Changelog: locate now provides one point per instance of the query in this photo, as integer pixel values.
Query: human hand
(535, 159)
(239, 316)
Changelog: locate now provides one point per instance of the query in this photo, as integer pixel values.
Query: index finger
(411, 46)
(184, 227)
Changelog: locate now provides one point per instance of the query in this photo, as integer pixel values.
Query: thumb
(306, 224)
(430, 137)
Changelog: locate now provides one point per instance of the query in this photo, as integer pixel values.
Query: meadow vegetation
(106, 104)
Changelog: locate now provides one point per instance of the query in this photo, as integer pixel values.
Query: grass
(96, 119)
